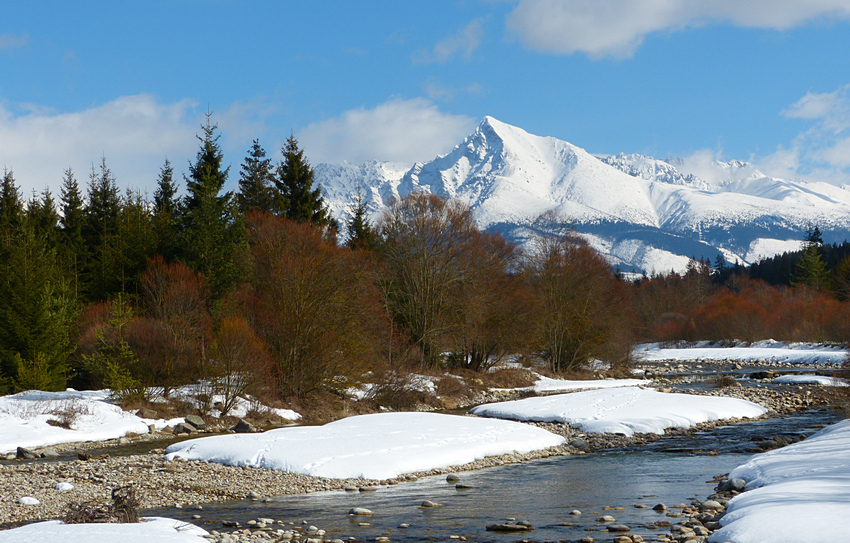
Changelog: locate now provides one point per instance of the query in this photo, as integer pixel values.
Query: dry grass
(67, 414)
(510, 378)
(724, 381)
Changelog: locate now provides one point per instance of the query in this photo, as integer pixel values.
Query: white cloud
(831, 109)
(616, 28)
(462, 44)
(397, 131)
(10, 41)
(823, 150)
(134, 133)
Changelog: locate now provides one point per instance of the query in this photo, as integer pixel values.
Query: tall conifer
(72, 248)
(256, 183)
(100, 230)
(294, 180)
(166, 207)
(361, 234)
(212, 230)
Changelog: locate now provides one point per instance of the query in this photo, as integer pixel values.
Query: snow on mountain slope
(377, 182)
(643, 214)
(505, 173)
(653, 169)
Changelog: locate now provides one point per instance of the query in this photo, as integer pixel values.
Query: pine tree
(212, 230)
(361, 234)
(257, 189)
(166, 207)
(295, 182)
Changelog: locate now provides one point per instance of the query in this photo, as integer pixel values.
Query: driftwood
(123, 509)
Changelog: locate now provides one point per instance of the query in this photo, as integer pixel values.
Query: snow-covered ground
(769, 350)
(547, 384)
(811, 380)
(92, 416)
(799, 493)
(159, 530)
(241, 407)
(377, 446)
(622, 410)
(24, 416)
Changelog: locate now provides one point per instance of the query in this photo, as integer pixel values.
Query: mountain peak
(642, 213)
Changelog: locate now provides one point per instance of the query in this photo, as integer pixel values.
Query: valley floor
(169, 480)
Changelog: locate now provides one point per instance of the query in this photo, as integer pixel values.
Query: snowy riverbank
(795, 494)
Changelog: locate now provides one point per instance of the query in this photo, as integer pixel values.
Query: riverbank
(165, 483)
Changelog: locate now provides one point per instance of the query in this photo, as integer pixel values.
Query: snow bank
(811, 380)
(24, 416)
(799, 493)
(160, 530)
(377, 446)
(93, 417)
(770, 350)
(622, 410)
(546, 384)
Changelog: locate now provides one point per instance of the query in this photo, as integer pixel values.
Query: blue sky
(766, 81)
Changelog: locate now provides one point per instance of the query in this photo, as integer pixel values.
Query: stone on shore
(195, 421)
(243, 427)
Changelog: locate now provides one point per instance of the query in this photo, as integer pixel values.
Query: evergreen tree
(36, 315)
(212, 230)
(72, 248)
(361, 234)
(813, 236)
(295, 182)
(100, 230)
(42, 211)
(811, 270)
(135, 243)
(166, 207)
(257, 188)
(11, 208)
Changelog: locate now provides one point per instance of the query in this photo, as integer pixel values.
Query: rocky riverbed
(189, 484)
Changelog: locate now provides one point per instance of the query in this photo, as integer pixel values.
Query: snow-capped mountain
(644, 214)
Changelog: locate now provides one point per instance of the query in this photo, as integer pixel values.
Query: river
(543, 492)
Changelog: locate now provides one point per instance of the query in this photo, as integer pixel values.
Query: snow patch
(377, 446)
(622, 410)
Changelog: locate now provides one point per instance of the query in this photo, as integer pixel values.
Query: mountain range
(644, 214)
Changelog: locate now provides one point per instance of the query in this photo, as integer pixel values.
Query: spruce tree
(257, 189)
(811, 270)
(36, 315)
(166, 207)
(72, 248)
(100, 231)
(11, 207)
(42, 211)
(211, 227)
(361, 234)
(295, 182)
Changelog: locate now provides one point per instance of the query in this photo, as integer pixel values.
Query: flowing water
(542, 492)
